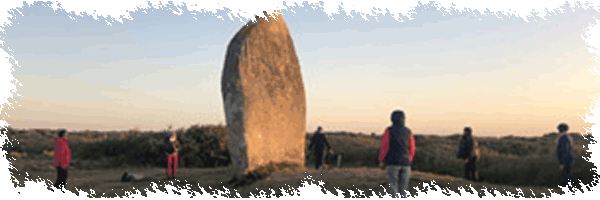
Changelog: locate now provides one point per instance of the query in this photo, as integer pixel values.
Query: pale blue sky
(499, 73)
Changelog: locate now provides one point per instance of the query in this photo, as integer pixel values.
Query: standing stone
(263, 97)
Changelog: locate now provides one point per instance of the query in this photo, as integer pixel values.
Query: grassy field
(100, 158)
(105, 181)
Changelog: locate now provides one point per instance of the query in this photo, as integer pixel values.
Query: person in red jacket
(397, 153)
(62, 158)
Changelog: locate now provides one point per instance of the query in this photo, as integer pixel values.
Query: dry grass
(509, 162)
(105, 182)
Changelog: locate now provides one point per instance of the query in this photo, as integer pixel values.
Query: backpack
(129, 177)
(126, 177)
(476, 151)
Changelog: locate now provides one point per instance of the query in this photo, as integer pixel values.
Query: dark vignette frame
(245, 10)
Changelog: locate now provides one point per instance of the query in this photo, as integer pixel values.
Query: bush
(196, 145)
(204, 146)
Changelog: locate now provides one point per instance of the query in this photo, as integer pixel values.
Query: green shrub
(196, 144)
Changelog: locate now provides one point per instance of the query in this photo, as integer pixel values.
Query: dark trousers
(567, 176)
(61, 178)
(318, 159)
(471, 170)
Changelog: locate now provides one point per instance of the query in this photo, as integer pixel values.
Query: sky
(498, 73)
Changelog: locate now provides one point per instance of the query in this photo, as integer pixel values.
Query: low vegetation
(517, 161)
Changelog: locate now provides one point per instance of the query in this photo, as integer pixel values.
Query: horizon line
(343, 132)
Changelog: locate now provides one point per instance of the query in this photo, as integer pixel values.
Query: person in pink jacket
(62, 158)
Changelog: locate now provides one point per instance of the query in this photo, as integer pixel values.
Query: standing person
(397, 153)
(171, 151)
(62, 158)
(318, 144)
(565, 154)
(469, 151)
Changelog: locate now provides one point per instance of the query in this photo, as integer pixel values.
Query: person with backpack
(62, 158)
(318, 144)
(565, 153)
(397, 153)
(469, 151)
(172, 151)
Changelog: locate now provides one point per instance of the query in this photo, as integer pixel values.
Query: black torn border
(239, 10)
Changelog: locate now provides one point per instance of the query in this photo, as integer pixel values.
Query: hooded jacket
(62, 153)
(564, 150)
(319, 142)
(469, 148)
(398, 143)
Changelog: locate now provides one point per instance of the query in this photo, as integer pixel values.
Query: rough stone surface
(263, 95)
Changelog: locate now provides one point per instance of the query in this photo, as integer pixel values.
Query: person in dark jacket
(318, 144)
(565, 153)
(172, 151)
(469, 151)
(62, 158)
(397, 153)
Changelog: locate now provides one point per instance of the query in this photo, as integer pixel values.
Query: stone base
(261, 173)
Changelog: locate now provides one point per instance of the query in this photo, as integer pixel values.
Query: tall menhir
(263, 96)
